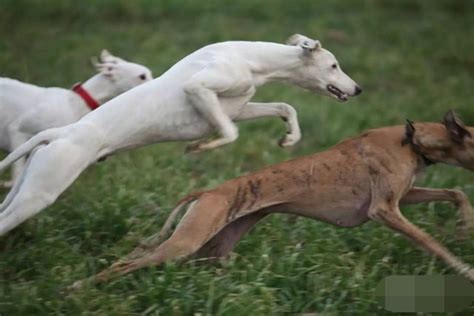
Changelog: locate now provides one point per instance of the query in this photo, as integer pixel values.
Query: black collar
(428, 162)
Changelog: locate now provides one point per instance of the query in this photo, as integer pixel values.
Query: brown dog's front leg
(393, 218)
(457, 197)
(386, 186)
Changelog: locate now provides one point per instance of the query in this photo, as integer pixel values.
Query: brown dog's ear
(410, 128)
(409, 133)
(455, 127)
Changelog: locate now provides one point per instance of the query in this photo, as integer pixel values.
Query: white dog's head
(320, 72)
(121, 74)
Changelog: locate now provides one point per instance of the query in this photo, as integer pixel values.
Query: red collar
(90, 101)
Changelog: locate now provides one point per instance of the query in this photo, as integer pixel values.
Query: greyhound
(206, 90)
(27, 109)
(360, 179)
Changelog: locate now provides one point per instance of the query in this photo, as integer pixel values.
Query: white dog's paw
(193, 147)
(289, 140)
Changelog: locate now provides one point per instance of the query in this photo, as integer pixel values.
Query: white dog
(205, 91)
(26, 110)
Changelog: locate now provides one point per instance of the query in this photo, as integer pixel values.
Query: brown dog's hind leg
(199, 224)
(225, 240)
(158, 238)
(457, 197)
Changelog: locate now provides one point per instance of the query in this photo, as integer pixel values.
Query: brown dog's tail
(158, 238)
(174, 213)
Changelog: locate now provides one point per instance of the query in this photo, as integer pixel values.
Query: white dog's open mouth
(338, 93)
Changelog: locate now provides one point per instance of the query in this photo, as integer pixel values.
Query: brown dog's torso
(332, 186)
(360, 178)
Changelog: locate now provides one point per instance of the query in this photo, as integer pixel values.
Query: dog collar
(88, 99)
(427, 161)
(408, 140)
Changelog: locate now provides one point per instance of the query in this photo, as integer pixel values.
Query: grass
(414, 60)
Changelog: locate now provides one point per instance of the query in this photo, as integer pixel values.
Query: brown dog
(357, 180)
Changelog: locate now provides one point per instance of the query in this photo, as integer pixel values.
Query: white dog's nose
(358, 90)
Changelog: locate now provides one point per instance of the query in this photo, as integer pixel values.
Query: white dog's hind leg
(286, 112)
(16, 139)
(16, 186)
(18, 167)
(51, 171)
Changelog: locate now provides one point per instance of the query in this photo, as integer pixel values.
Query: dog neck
(273, 62)
(100, 89)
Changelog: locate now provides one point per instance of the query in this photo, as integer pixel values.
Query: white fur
(27, 109)
(205, 91)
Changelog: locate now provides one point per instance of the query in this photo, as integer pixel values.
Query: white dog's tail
(41, 138)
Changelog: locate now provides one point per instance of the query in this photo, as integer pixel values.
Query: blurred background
(414, 60)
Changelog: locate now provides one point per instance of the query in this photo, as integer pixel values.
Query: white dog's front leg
(206, 102)
(286, 112)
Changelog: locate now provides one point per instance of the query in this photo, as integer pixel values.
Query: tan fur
(357, 180)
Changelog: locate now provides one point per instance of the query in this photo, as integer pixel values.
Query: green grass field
(414, 59)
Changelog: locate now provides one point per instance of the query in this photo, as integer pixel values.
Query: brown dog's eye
(143, 77)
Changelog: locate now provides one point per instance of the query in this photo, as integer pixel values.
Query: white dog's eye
(334, 66)
(142, 76)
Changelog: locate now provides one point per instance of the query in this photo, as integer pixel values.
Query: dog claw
(281, 142)
(193, 148)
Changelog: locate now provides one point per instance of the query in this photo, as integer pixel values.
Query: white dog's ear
(105, 67)
(309, 45)
(106, 56)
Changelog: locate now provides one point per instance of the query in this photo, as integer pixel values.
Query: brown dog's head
(450, 142)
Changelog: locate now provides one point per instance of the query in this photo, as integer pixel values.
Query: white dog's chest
(233, 104)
